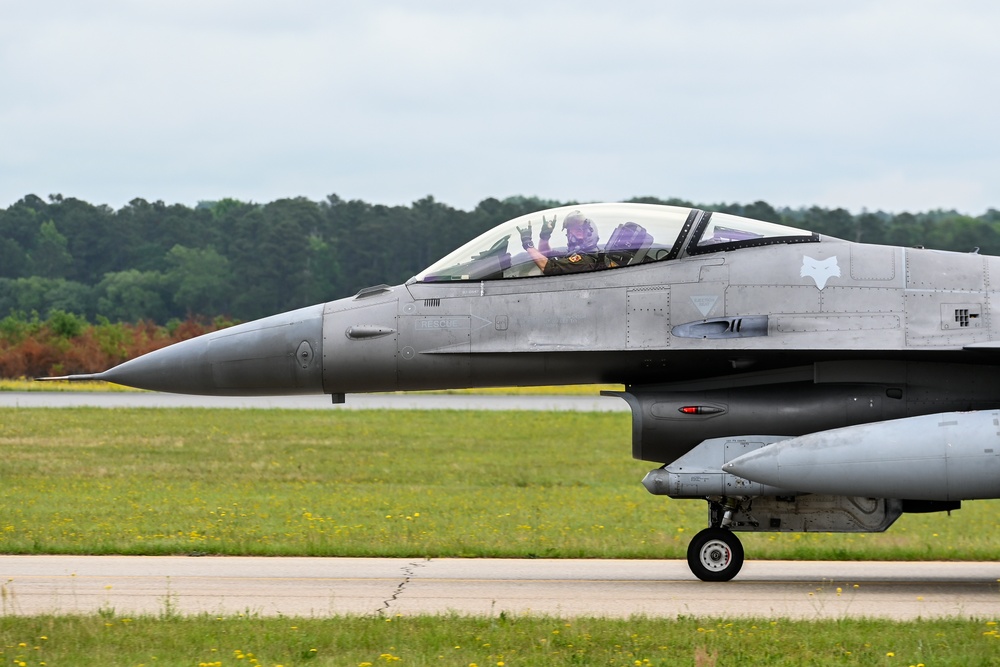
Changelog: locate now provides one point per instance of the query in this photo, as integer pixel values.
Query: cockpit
(591, 237)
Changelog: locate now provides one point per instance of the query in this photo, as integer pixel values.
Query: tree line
(161, 263)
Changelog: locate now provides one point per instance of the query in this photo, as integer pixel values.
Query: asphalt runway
(410, 401)
(323, 587)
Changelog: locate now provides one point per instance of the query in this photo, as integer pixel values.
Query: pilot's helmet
(588, 242)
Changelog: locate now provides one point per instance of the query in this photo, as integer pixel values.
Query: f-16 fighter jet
(794, 382)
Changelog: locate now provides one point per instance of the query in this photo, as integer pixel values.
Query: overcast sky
(863, 104)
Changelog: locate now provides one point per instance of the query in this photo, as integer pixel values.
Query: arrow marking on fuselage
(704, 304)
(483, 322)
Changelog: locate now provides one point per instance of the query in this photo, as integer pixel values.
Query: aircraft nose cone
(278, 355)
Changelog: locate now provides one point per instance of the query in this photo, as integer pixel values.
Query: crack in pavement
(408, 571)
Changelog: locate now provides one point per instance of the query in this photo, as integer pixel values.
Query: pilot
(582, 253)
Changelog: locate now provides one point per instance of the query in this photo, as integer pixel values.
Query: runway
(401, 401)
(378, 586)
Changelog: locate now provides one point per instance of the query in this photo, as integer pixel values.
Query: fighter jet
(795, 382)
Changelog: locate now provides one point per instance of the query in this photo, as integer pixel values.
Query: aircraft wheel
(715, 554)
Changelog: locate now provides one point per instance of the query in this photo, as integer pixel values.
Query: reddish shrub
(97, 348)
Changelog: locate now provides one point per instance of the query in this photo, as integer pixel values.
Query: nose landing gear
(716, 554)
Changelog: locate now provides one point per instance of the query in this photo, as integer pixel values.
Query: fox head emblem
(820, 270)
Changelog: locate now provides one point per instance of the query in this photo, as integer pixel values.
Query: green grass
(108, 640)
(378, 483)
(410, 483)
(24, 384)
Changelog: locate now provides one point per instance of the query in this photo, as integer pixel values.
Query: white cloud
(788, 102)
(897, 191)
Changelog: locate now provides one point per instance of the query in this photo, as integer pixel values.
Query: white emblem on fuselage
(820, 270)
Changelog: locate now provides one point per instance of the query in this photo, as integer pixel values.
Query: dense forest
(167, 263)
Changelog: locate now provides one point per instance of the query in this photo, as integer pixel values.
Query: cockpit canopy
(625, 235)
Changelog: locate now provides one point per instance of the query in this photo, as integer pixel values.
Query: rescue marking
(443, 323)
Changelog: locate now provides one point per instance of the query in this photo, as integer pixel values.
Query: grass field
(168, 640)
(379, 483)
(410, 483)
(24, 384)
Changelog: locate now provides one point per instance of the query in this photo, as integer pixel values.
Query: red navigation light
(700, 410)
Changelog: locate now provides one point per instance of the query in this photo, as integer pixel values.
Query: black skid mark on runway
(408, 572)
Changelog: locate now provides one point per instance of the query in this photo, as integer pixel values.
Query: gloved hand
(526, 241)
(547, 227)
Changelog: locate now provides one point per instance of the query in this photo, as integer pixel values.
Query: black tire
(715, 554)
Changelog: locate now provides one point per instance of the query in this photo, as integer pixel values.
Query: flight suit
(577, 262)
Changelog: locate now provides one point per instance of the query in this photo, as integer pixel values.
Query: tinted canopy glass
(725, 231)
(590, 237)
